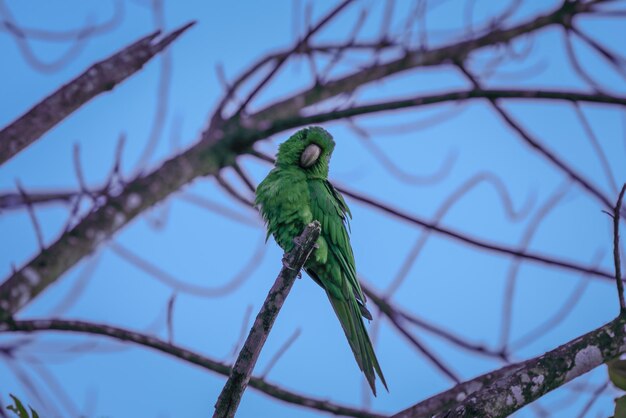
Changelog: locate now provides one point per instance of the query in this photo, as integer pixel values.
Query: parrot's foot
(286, 265)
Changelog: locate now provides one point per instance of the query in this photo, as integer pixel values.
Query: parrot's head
(309, 149)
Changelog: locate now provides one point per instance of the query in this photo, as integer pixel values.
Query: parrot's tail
(349, 315)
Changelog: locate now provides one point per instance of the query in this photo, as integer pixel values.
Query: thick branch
(229, 399)
(180, 353)
(422, 58)
(500, 393)
(99, 78)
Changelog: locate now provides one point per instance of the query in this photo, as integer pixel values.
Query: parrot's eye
(310, 155)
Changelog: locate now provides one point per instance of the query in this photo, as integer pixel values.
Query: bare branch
(456, 235)
(304, 41)
(453, 198)
(183, 286)
(281, 351)
(32, 215)
(477, 93)
(163, 93)
(595, 143)
(9, 201)
(99, 78)
(232, 191)
(20, 31)
(218, 147)
(509, 292)
(502, 392)
(616, 256)
(420, 58)
(594, 397)
(389, 310)
(496, 248)
(183, 354)
(566, 308)
(536, 145)
(228, 401)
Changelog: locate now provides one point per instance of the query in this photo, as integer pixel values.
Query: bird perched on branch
(297, 192)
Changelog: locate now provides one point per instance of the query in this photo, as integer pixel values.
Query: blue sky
(452, 285)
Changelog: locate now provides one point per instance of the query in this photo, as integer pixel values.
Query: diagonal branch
(475, 242)
(434, 226)
(99, 78)
(421, 58)
(504, 391)
(536, 145)
(396, 315)
(304, 41)
(228, 401)
(81, 327)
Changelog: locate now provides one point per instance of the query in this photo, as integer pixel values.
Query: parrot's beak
(310, 155)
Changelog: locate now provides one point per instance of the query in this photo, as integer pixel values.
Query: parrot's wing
(337, 274)
(328, 206)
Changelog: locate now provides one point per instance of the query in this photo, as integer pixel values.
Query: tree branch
(616, 257)
(461, 237)
(504, 391)
(478, 243)
(99, 78)
(421, 58)
(218, 147)
(229, 399)
(454, 96)
(41, 325)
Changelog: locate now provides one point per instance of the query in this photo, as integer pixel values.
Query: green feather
(291, 196)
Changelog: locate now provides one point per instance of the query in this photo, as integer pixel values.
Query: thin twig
(536, 145)
(566, 308)
(189, 287)
(594, 397)
(228, 401)
(509, 291)
(228, 188)
(281, 351)
(460, 236)
(216, 148)
(244, 177)
(245, 323)
(32, 215)
(304, 41)
(170, 317)
(616, 255)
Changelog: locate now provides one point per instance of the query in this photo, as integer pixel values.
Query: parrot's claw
(286, 265)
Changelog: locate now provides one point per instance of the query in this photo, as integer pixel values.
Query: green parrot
(297, 192)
